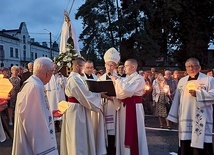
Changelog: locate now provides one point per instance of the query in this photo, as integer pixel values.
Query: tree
(97, 35)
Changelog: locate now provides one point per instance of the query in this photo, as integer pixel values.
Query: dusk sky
(39, 15)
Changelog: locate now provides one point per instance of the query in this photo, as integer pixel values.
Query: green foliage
(144, 29)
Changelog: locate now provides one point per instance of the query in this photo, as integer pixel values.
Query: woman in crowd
(161, 93)
(15, 80)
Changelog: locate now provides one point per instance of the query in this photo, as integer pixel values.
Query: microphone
(109, 74)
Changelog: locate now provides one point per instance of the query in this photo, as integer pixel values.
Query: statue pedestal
(65, 71)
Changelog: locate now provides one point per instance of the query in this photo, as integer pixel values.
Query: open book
(101, 86)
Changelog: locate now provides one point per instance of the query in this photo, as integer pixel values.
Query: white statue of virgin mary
(67, 32)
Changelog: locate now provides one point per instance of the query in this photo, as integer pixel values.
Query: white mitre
(112, 55)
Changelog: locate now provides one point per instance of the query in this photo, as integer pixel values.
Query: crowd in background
(159, 91)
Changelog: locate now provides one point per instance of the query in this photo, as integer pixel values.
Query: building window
(11, 52)
(31, 55)
(1, 47)
(1, 52)
(35, 55)
(16, 52)
(24, 39)
(24, 54)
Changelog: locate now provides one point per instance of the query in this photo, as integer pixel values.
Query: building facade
(17, 48)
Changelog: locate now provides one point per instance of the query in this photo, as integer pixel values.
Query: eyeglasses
(110, 65)
(192, 66)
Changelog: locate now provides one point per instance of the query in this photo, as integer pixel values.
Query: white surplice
(61, 81)
(34, 127)
(110, 108)
(53, 90)
(77, 136)
(132, 85)
(98, 122)
(194, 114)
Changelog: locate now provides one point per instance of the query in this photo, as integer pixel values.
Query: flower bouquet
(65, 58)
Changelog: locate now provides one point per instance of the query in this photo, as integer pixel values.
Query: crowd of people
(98, 124)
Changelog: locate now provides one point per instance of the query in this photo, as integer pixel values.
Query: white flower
(58, 63)
(69, 59)
(65, 59)
(69, 65)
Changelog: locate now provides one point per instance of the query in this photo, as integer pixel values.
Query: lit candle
(191, 86)
(147, 87)
(165, 89)
(5, 87)
(62, 106)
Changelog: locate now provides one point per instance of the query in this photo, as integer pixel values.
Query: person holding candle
(160, 94)
(3, 105)
(192, 110)
(34, 127)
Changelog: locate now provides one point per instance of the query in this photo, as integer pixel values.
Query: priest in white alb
(34, 132)
(192, 110)
(131, 139)
(77, 136)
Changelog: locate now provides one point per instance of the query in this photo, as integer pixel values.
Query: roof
(8, 36)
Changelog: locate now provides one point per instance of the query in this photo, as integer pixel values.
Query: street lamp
(50, 43)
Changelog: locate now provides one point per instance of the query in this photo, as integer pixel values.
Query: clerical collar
(107, 77)
(89, 76)
(193, 78)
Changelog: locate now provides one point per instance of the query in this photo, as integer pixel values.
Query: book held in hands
(101, 86)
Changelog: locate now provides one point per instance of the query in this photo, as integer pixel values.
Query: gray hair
(14, 68)
(168, 71)
(193, 60)
(42, 64)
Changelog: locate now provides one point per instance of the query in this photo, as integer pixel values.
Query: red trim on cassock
(131, 134)
(73, 100)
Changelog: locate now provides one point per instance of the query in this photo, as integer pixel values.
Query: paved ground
(160, 141)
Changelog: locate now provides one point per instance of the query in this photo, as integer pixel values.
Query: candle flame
(191, 86)
(147, 87)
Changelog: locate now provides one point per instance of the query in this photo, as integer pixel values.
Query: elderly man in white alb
(132, 136)
(34, 127)
(111, 58)
(192, 110)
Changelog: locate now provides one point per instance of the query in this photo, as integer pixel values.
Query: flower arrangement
(65, 58)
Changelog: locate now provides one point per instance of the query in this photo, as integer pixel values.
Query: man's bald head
(130, 66)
